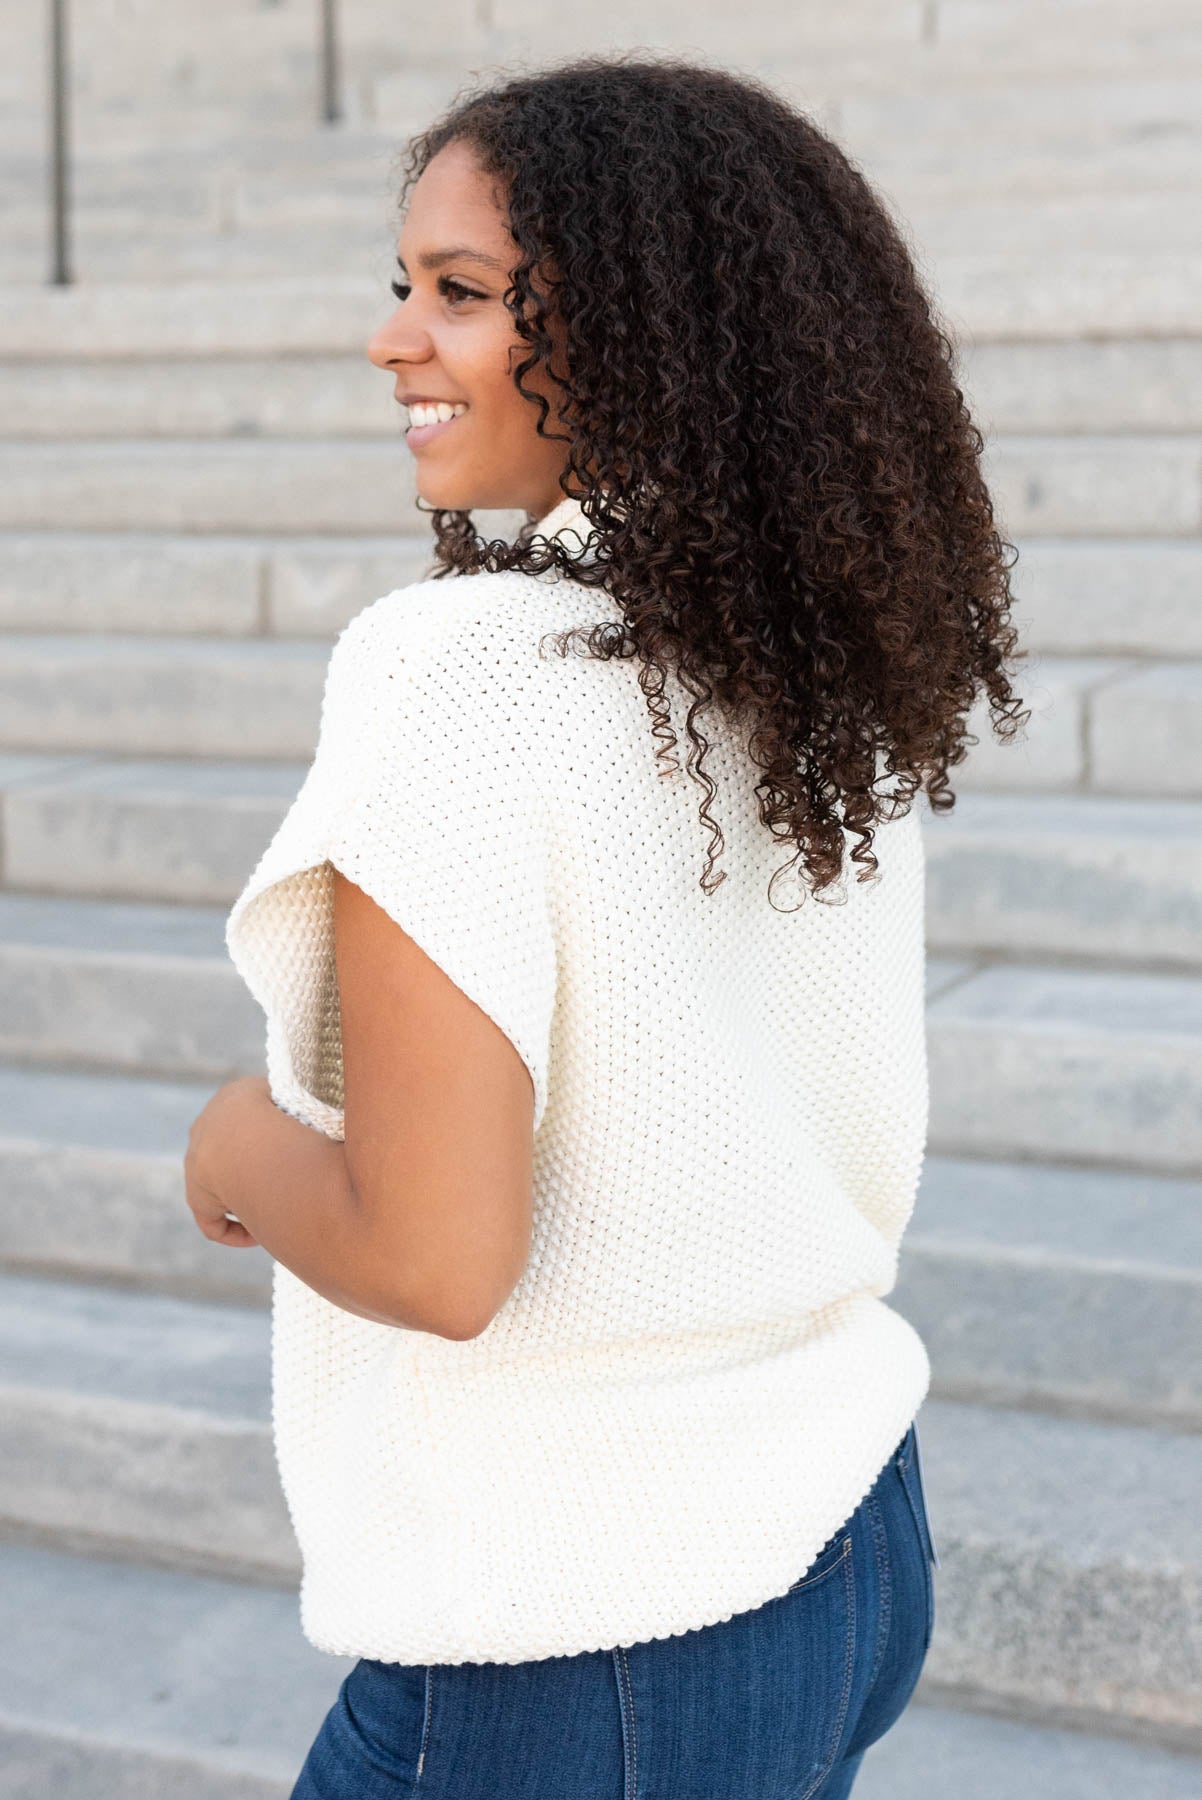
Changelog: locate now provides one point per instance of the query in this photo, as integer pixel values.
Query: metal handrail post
(59, 173)
(331, 111)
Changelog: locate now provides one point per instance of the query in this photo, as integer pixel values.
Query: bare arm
(421, 1218)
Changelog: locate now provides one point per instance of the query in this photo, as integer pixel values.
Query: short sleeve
(421, 793)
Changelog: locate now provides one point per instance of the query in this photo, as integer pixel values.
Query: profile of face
(451, 342)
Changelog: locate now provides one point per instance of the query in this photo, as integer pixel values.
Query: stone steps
(125, 1682)
(1028, 1059)
(91, 1163)
(143, 988)
(1102, 725)
(101, 582)
(1136, 386)
(1114, 485)
(1044, 875)
(1068, 246)
(233, 475)
(338, 486)
(1072, 595)
(161, 1406)
(350, 179)
(1047, 1063)
(1066, 1289)
(985, 295)
(117, 1681)
(1042, 1259)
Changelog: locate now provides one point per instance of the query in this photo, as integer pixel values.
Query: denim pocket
(922, 1489)
(910, 1472)
(829, 1558)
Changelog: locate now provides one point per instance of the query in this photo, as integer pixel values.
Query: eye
(446, 285)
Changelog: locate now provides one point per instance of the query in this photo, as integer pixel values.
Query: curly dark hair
(779, 470)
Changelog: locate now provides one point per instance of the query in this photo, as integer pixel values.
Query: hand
(211, 1136)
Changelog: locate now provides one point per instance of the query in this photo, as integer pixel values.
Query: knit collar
(566, 522)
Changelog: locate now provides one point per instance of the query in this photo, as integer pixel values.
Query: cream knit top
(697, 1378)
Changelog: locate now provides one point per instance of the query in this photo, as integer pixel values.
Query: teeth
(428, 413)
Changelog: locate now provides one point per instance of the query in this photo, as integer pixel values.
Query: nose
(392, 343)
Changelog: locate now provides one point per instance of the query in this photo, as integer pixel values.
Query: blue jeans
(779, 1703)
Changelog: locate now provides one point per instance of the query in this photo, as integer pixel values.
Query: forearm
(291, 1188)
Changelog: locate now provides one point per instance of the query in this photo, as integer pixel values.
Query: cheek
(496, 366)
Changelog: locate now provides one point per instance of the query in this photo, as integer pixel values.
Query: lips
(419, 435)
(429, 418)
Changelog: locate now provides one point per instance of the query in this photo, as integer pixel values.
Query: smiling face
(451, 340)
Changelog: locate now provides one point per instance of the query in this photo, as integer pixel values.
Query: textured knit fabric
(696, 1379)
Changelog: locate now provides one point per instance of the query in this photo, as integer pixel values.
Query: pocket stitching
(849, 1665)
(905, 1466)
(421, 1758)
(838, 1556)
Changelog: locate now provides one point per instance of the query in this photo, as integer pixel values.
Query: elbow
(458, 1324)
(457, 1316)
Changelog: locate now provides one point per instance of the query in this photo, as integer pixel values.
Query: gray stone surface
(91, 1168)
(1134, 384)
(126, 985)
(1086, 1065)
(154, 829)
(1073, 1290)
(166, 696)
(1041, 1523)
(1051, 749)
(84, 581)
(321, 396)
(141, 1423)
(223, 485)
(1015, 388)
(937, 1753)
(1064, 875)
(1074, 596)
(160, 1406)
(137, 1682)
(199, 461)
(1116, 486)
(1147, 731)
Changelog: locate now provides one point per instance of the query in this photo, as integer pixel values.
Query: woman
(584, 1169)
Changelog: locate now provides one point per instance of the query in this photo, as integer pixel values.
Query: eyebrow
(437, 259)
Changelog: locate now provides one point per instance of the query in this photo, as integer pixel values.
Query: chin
(446, 493)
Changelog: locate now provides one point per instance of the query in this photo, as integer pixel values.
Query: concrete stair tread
(1087, 1491)
(1083, 484)
(1087, 816)
(186, 1675)
(113, 1344)
(139, 929)
(1043, 998)
(130, 1114)
(1057, 1215)
(1085, 1217)
(58, 647)
(91, 1164)
(1072, 594)
(1067, 1479)
(112, 1661)
(176, 779)
(1034, 874)
(1133, 385)
(939, 1753)
(987, 293)
(1040, 1258)
(1031, 995)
